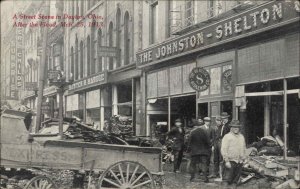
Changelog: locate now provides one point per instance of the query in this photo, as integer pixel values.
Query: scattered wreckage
(85, 158)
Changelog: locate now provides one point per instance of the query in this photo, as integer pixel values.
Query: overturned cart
(27, 157)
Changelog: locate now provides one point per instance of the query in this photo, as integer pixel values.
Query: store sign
(46, 107)
(199, 79)
(108, 51)
(227, 80)
(31, 86)
(13, 95)
(262, 18)
(88, 82)
(20, 55)
(52, 90)
(54, 76)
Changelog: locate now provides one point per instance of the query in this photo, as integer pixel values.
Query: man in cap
(177, 135)
(216, 142)
(233, 151)
(200, 146)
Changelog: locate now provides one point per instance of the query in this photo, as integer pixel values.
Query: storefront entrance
(265, 111)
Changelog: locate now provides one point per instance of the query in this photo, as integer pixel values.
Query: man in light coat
(233, 151)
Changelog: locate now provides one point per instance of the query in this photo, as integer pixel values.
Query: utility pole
(46, 11)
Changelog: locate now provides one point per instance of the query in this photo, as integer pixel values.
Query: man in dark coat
(225, 124)
(217, 139)
(177, 135)
(200, 147)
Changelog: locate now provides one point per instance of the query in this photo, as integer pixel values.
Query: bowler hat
(218, 118)
(178, 120)
(224, 115)
(207, 119)
(235, 123)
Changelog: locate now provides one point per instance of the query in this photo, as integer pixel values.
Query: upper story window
(118, 33)
(93, 49)
(72, 63)
(76, 60)
(153, 22)
(99, 42)
(88, 54)
(81, 59)
(110, 44)
(189, 12)
(126, 39)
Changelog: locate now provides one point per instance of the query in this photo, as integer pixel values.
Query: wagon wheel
(126, 175)
(40, 182)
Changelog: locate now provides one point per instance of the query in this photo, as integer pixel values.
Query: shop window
(100, 64)
(125, 99)
(93, 117)
(88, 54)
(126, 39)
(153, 22)
(118, 33)
(81, 60)
(110, 44)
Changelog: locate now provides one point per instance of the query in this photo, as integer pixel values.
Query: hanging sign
(108, 51)
(199, 79)
(227, 80)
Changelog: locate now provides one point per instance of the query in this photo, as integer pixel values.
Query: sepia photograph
(150, 94)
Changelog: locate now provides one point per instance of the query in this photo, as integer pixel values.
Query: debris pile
(267, 167)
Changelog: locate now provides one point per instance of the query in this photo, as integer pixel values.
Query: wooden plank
(271, 59)
(186, 70)
(248, 64)
(175, 80)
(163, 83)
(273, 93)
(292, 49)
(151, 85)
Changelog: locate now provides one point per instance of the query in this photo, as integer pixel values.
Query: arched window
(81, 59)
(88, 53)
(76, 59)
(81, 7)
(72, 62)
(110, 44)
(118, 34)
(126, 38)
(93, 49)
(100, 66)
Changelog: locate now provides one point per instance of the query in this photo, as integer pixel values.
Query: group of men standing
(224, 141)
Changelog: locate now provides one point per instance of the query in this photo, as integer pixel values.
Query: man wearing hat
(177, 135)
(233, 151)
(200, 146)
(225, 124)
(217, 139)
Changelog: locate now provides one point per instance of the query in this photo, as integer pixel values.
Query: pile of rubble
(267, 164)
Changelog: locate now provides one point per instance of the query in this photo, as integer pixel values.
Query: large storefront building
(244, 62)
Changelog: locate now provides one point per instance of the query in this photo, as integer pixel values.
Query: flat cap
(178, 120)
(218, 118)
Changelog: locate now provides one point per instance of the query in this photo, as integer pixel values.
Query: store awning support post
(285, 125)
(169, 113)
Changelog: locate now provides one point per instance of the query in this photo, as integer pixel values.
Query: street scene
(166, 94)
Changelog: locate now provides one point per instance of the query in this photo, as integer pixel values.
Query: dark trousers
(233, 174)
(177, 158)
(202, 161)
(217, 157)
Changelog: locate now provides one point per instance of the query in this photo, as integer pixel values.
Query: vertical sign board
(20, 56)
(13, 90)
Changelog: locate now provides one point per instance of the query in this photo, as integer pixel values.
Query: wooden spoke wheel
(40, 182)
(126, 175)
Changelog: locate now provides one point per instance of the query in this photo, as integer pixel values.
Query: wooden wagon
(119, 166)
